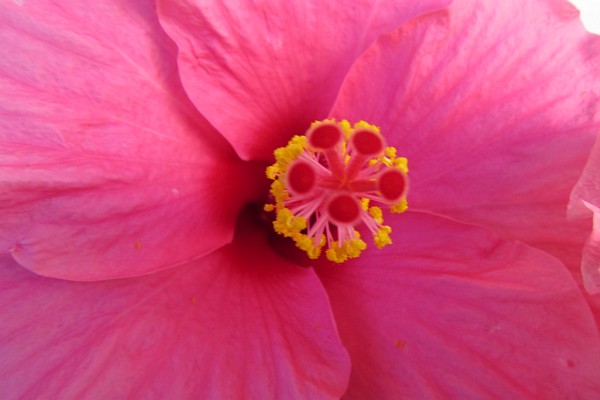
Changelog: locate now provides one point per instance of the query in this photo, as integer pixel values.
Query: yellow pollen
(345, 175)
(377, 214)
(400, 207)
(349, 249)
(382, 237)
(364, 203)
(288, 224)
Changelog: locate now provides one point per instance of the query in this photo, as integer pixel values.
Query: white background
(590, 14)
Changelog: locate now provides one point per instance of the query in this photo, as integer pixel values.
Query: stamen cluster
(324, 183)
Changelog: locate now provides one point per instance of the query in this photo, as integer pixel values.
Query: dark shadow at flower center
(253, 217)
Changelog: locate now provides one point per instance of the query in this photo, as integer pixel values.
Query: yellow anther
(287, 224)
(269, 207)
(364, 203)
(391, 160)
(390, 152)
(323, 122)
(273, 171)
(313, 253)
(349, 249)
(287, 154)
(346, 128)
(354, 247)
(377, 214)
(307, 244)
(278, 191)
(335, 254)
(382, 238)
(399, 207)
(366, 125)
(402, 164)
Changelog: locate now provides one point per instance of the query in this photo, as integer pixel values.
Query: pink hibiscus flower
(136, 259)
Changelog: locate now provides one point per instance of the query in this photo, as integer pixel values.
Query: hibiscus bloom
(137, 259)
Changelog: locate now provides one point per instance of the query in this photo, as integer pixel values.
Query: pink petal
(586, 194)
(585, 202)
(452, 311)
(261, 72)
(590, 264)
(495, 104)
(238, 324)
(106, 169)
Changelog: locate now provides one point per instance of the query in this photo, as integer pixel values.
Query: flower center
(324, 184)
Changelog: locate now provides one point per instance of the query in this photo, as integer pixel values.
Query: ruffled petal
(452, 311)
(590, 263)
(585, 203)
(495, 104)
(240, 323)
(106, 169)
(586, 193)
(263, 71)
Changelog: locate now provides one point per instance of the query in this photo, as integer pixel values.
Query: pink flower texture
(138, 262)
